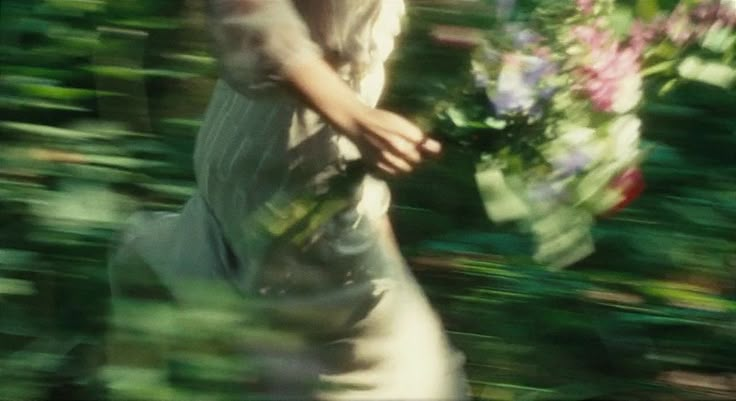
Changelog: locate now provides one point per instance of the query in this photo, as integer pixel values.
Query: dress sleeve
(256, 39)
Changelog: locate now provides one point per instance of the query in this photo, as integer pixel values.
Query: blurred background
(99, 104)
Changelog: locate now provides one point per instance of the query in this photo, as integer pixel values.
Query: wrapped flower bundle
(557, 126)
(552, 106)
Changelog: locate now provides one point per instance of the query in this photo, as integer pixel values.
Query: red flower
(630, 184)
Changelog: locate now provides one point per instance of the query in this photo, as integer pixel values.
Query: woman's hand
(388, 142)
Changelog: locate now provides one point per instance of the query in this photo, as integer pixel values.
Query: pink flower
(679, 28)
(592, 35)
(688, 24)
(706, 11)
(610, 72)
(710, 12)
(644, 33)
(585, 6)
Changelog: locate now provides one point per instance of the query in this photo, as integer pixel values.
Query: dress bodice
(255, 38)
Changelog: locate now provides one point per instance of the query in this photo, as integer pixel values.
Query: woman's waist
(262, 220)
(242, 132)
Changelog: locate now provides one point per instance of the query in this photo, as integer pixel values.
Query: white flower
(584, 140)
(628, 94)
(577, 136)
(624, 134)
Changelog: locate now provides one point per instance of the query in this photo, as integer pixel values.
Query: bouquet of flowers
(553, 111)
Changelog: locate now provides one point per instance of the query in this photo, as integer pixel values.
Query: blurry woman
(295, 108)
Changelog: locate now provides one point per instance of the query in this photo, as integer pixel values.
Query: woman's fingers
(396, 161)
(413, 152)
(406, 149)
(397, 125)
(383, 152)
(431, 146)
(385, 169)
(379, 156)
(408, 139)
(394, 144)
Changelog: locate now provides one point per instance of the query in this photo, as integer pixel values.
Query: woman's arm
(388, 141)
(256, 39)
(267, 39)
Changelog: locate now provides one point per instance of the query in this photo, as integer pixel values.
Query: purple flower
(508, 102)
(525, 38)
(572, 163)
(520, 85)
(537, 69)
(547, 92)
(547, 191)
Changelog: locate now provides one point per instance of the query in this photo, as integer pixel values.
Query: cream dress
(368, 330)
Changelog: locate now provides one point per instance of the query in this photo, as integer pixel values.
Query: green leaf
(719, 39)
(56, 92)
(45, 130)
(9, 286)
(659, 68)
(672, 110)
(712, 73)
(621, 20)
(19, 102)
(501, 202)
(78, 5)
(647, 9)
(495, 123)
(457, 117)
(132, 73)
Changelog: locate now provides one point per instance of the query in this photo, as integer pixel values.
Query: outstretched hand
(389, 143)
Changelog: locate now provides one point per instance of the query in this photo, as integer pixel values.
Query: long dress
(369, 331)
